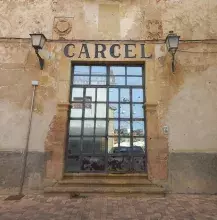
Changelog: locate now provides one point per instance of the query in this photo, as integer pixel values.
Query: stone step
(104, 181)
(106, 176)
(145, 190)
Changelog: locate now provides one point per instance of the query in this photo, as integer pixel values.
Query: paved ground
(110, 208)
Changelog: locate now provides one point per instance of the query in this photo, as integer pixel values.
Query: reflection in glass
(125, 128)
(90, 92)
(113, 95)
(113, 127)
(77, 93)
(98, 70)
(74, 145)
(99, 145)
(112, 143)
(125, 142)
(88, 145)
(88, 127)
(89, 110)
(98, 80)
(134, 81)
(137, 95)
(81, 80)
(75, 127)
(138, 111)
(81, 70)
(119, 163)
(138, 128)
(100, 128)
(76, 110)
(91, 163)
(136, 71)
(125, 111)
(139, 142)
(125, 95)
(117, 80)
(101, 111)
(117, 70)
(113, 110)
(101, 94)
(139, 163)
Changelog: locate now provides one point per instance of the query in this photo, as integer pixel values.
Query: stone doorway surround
(157, 143)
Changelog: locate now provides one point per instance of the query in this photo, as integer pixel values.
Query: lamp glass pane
(42, 41)
(36, 40)
(174, 41)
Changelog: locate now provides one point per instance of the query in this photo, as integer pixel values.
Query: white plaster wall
(192, 114)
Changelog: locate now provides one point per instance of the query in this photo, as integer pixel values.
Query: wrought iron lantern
(38, 41)
(172, 42)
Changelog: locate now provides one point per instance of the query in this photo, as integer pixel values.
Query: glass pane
(100, 145)
(81, 70)
(113, 127)
(81, 80)
(113, 95)
(138, 111)
(74, 145)
(88, 145)
(125, 95)
(98, 80)
(138, 128)
(117, 70)
(100, 128)
(134, 81)
(136, 71)
(112, 144)
(73, 164)
(125, 111)
(101, 111)
(75, 127)
(113, 110)
(139, 163)
(137, 95)
(88, 127)
(125, 142)
(90, 92)
(120, 162)
(98, 70)
(89, 110)
(101, 95)
(140, 143)
(91, 163)
(125, 128)
(76, 110)
(120, 81)
(77, 93)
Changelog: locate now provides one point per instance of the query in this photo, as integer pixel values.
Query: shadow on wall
(193, 173)
(11, 165)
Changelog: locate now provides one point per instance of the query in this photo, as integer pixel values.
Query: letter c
(112, 51)
(66, 50)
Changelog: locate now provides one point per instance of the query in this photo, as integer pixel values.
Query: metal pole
(35, 84)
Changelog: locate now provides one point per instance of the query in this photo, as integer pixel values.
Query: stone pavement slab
(172, 207)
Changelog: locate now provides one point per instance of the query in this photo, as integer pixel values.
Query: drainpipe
(34, 84)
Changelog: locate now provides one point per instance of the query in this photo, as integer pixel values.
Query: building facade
(107, 100)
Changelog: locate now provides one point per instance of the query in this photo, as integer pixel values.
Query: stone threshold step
(90, 189)
(99, 181)
(107, 175)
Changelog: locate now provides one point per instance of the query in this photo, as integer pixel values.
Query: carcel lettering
(101, 50)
